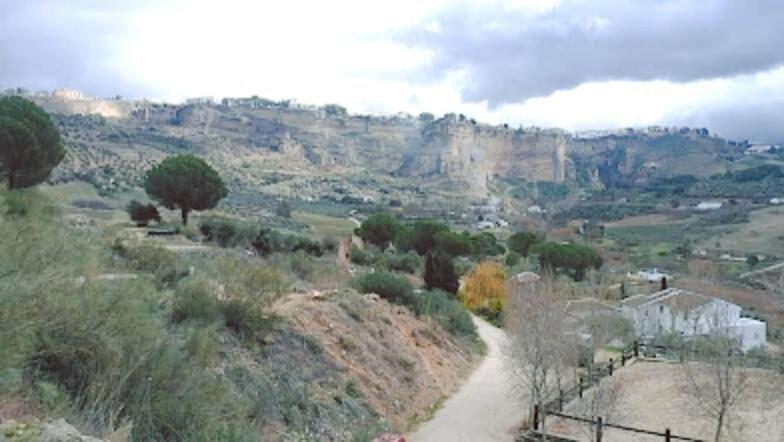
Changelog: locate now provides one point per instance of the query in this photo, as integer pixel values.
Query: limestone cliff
(248, 139)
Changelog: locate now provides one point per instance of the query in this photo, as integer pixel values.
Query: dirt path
(484, 409)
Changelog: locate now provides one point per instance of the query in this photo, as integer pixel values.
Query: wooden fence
(555, 405)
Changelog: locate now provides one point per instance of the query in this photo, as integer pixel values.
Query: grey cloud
(511, 56)
(47, 44)
(755, 123)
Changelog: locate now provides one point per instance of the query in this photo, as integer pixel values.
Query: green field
(323, 225)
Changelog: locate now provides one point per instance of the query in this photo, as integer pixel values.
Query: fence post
(599, 429)
(536, 417)
(667, 435)
(581, 387)
(560, 399)
(636, 349)
(611, 366)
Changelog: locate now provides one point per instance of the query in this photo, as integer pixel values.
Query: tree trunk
(184, 212)
(719, 425)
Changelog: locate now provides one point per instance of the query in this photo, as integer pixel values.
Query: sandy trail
(484, 409)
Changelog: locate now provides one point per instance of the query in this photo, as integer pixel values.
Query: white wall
(654, 319)
(750, 333)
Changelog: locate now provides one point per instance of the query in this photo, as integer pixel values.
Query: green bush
(246, 318)
(439, 305)
(108, 353)
(268, 241)
(228, 233)
(447, 310)
(193, 299)
(28, 202)
(388, 286)
(108, 347)
(408, 262)
(358, 256)
(512, 259)
(163, 264)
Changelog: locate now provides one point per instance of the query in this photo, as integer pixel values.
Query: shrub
(283, 210)
(246, 318)
(446, 310)
(302, 265)
(408, 262)
(109, 346)
(249, 289)
(228, 233)
(484, 291)
(193, 299)
(28, 202)
(268, 241)
(358, 256)
(161, 263)
(388, 286)
(142, 214)
(441, 306)
(512, 259)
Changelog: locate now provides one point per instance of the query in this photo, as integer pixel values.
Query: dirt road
(484, 409)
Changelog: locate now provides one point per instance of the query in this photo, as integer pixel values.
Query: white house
(709, 205)
(691, 314)
(649, 275)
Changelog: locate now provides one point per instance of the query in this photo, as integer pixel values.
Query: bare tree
(538, 341)
(716, 379)
(604, 400)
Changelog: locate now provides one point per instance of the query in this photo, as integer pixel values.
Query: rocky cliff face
(248, 139)
(478, 153)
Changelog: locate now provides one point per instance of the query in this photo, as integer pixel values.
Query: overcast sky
(576, 64)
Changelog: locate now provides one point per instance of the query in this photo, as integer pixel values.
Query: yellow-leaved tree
(484, 290)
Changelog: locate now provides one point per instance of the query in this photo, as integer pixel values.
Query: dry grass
(654, 398)
(401, 365)
(764, 233)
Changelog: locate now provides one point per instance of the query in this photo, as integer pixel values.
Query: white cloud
(377, 57)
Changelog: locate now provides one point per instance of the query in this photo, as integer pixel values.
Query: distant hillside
(283, 150)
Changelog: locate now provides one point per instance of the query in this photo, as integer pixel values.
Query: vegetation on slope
(106, 352)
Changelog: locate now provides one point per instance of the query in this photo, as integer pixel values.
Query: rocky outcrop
(51, 431)
(261, 136)
(476, 153)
